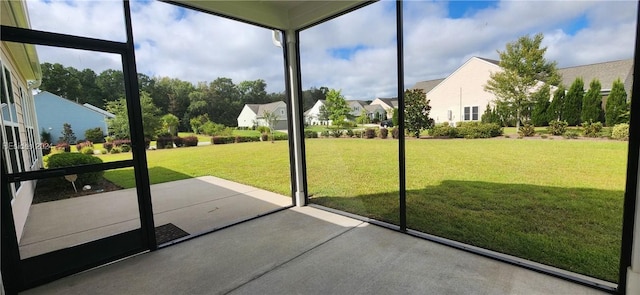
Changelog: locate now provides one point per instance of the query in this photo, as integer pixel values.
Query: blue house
(54, 111)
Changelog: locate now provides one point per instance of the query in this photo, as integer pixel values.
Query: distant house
(252, 115)
(54, 111)
(461, 96)
(312, 115)
(20, 73)
(356, 106)
(388, 104)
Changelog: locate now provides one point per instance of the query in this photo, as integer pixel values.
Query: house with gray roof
(252, 115)
(461, 96)
(388, 104)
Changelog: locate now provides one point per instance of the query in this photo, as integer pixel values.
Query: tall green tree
(523, 68)
(540, 112)
(616, 104)
(337, 107)
(111, 83)
(170, 124)
(119, 125)
(556, 109)
(573, 102)
(592, 103)
(253, 91)
(416, 111)
(61, 81)
(490, 116)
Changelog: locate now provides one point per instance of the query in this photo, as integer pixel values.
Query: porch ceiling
(282, 15)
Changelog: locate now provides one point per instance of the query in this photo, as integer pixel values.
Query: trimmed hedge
(190, 140)
(61, 160)
(467, 130)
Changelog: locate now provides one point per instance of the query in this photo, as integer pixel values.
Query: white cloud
(200, 47)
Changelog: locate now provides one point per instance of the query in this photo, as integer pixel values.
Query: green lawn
(558, 202)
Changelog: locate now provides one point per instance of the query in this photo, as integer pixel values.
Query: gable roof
(260, 109)
(362, 103)
(605, 72)
(393, 102)
(99, 110)
(428, 85)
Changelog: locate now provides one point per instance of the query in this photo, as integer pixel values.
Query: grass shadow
(576, 229)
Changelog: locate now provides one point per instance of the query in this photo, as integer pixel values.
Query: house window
(11, 142)
(471, 113)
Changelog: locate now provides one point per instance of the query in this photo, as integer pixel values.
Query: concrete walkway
(309, 251)
(195, 205)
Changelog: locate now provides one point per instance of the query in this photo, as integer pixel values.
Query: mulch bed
(49, 189)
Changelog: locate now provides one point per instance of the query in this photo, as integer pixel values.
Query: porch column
(295, 87)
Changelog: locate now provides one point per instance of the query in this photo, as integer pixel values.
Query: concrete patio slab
(195, 205)
(309, 251)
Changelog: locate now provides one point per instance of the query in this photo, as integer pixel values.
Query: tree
(616, 104)
(60, 80)
(573, 102)
(539, 114)
(556, 108)
(490, 116)
(592, 103)
(337, 107)
(323, 113)
(271, 118)
(394, 116)
(111, 83)
(67, 134)
(524, 68)
(170, 124)
(363, 118)
(416, 111)
(119, 125)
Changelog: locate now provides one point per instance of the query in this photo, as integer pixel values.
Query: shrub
(107, 146)
(119, 142)
(620, 131)
(87, 150)
(369, 133)
(384, 132)
(571, 134)
(443, 130)
(164, 142)
(63, 146)
(325, 133)
(478, 130)
(336, 133)
(116, 150)
(591, 129)
(103, 151)
(357, 133)
(349, 133)
(239, 138)
(557, 127)
(395, 133)
(190, 140)
(81, 145)
(310, 134)
(45, 136)
(263, 129)
(280, 136)
(178, 141)
(62, 160)
(527, 130)
(125, 148)
(222, 139)
(94, 135)
(264, 137)
(214, 129)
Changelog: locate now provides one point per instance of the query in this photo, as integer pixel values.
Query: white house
(388, 104)
(253, 115)
(312, 115)
(20, 74)
(461, 96)
(54, 111)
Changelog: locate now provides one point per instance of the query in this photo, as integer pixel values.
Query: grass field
(558, 202)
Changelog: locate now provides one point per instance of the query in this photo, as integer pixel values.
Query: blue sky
(355, 52)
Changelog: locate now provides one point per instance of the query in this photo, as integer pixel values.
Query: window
(471, 113)
(11, 143)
